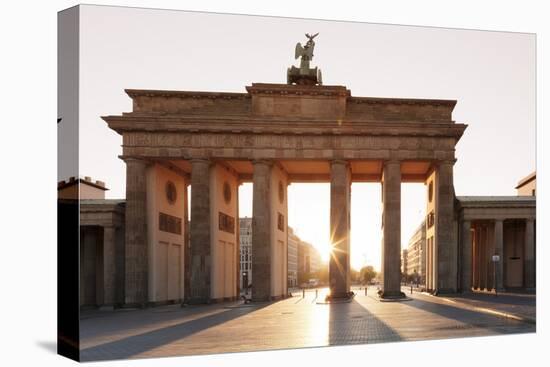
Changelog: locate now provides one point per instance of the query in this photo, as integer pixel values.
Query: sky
(490, 74)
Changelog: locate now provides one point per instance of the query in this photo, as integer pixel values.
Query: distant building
(527, 186)
(293, 243)
(302, 256)
(245, 238)
(416, 259)
(81, 188)
(404, 269)
(309, 260)
(314, 259)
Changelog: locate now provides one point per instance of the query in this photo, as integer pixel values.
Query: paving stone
(291, 323)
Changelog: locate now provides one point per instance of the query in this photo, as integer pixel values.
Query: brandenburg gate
(274, 135)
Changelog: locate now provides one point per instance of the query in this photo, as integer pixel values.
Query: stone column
(186, 248)
(476, 258)
(109, 266)
(391, 263)
(466, 244)
(261, 230)
(499, 250)
(339, 271)
(136, 266)
(429, 263)
(529, 256)
(238, 242)
(482, 257)
(200, 231)
(446, 251)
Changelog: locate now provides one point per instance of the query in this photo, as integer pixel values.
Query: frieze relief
(177, 145)
(285, 141)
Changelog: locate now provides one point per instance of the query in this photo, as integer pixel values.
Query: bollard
(316, 293)
(303, 293)
(411, 289)
(366, 291)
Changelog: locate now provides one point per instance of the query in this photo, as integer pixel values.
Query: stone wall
(166, 249)
(224, 245)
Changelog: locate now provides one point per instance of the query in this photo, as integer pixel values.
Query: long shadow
(351, 323)
(133, 345)
(468, 317)
(504, 299)
(98, 323)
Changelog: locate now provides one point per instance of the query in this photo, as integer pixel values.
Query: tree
(367, 274)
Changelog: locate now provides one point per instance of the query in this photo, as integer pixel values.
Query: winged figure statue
(305, 52)
(304, 75)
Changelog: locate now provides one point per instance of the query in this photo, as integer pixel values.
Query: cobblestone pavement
(519, 305)
(295, 322)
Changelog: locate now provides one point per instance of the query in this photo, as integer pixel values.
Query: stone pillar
(529, 256)
(446, 251)
(186, 248)
(339, 264)
(490, 252)
(429, 263)
(499, 250)
(261, 230)
(391, 259)
(109, 265)
(466, 244)
(482, 257)
(476, 257)
(136, 266)
(238, 242)
(200, 231)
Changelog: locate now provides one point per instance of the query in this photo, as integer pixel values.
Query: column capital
(446, 162)
(392, 162)
(201, 160)
(267, 162)
(130, 159)
(339, 161)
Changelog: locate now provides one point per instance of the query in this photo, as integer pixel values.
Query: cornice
(244, 125)
(402, 101)
(298, 90)
(134, 93)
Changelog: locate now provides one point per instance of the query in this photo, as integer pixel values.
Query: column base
(259, 296)
(198, 301)
(268, 298)
(134, 305)
(444, 291)
(260, 299)
(391, 295)
(339, 297)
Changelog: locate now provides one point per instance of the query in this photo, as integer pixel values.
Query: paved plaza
(298, 322)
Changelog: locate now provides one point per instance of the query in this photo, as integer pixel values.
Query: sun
(325, 250)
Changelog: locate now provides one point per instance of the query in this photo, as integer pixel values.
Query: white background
(28, 184)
